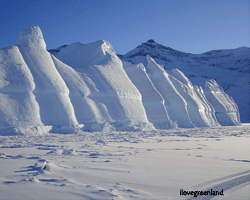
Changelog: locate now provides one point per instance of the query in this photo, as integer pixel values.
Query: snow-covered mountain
(87, 87)
(230, 68)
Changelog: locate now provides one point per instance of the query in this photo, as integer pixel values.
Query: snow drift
(87, 87)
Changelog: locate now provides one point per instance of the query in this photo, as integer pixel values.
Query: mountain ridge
(131, 54)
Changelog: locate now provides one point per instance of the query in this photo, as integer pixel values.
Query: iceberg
(226, 110)
(86, 87)
(113, 95)
(18, 106)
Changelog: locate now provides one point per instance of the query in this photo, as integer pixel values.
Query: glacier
(87, 87)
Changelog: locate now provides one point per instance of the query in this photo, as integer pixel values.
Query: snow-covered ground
(126, 165)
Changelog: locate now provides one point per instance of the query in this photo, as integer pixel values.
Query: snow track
(234, 181)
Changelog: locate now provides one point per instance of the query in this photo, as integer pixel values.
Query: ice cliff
(87, 87)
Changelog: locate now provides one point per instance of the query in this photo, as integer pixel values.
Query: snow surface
(150, 165)
(87, 87)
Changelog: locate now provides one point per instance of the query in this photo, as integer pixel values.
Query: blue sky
(193, 26)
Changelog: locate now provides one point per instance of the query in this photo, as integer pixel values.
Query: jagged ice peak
(31, 37)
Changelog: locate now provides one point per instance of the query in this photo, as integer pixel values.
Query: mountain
(230, 68)
(87, 87)
(57, 50)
